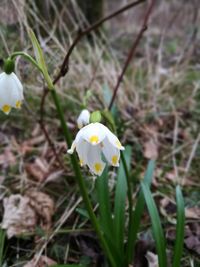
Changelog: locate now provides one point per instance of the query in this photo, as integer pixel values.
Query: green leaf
(120, 203)
(83, 212)
(104, 202)
(105, 218)
(107, 115)
(178, 248)
(156, 226)
(137, 213)
(40, 58)
(2, 242)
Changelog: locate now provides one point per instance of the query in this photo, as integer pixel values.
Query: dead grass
(158, 103)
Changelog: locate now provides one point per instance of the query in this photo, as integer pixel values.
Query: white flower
(11, 92)
(83, 118)
(91, 141)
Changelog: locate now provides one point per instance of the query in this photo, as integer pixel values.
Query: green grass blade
(178, 248)
(156, 226)
(104, 202)
(120, 202)
(105, 218)
(2, 242)
(137, 213)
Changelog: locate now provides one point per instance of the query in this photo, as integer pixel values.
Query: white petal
(94, 133)
(5, 92)
(114, 140)
(83, 118)
(11, 91)
(71, 150)
(17, 89)
(111, 153)
(78, 139)
(82, 149)
(94, 160)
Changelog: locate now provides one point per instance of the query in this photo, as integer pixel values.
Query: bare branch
(132, 51)
(81, 34)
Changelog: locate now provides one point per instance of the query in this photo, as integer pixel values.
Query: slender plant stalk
(132, 51)
(27, 57)
(129, 190)
(80, 180)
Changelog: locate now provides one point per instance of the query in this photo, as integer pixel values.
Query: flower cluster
(91, 142)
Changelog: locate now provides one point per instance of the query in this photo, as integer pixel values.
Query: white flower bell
(93, 140)
(83, 118)
(11, 90)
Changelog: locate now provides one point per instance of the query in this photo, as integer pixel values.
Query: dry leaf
(152, 259)
(7, 158)
(168, 209)
(192, 213)
(151, 149)
(39, 169)
(192, 240)
(54, 176)
(193, 243)
(23, 213)
(43, 261)
(18, 217)
(43, 205)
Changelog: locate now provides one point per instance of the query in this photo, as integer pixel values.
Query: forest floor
(157, 113)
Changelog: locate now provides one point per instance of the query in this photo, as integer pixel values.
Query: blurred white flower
(83, 118)
(11, 92)
(91, 141)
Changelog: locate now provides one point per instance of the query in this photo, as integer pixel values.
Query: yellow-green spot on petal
(115, 160)
(98, 167)
(81, 162)
(118, 144)
(18, 104)
(94, 139)
(6, 108)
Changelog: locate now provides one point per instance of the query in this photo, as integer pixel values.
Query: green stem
(129, 190)
(27, 57)
(80, 180)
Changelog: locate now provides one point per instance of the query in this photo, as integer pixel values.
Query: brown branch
(65, 65)
(132, 51)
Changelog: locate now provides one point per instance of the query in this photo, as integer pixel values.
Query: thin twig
(65, 65)
(132, 51)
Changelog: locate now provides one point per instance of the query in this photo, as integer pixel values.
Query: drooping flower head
(11, 89)
(83, 118)
(91, 142)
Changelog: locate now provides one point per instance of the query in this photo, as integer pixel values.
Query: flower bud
(95, 116)
(9, 66)
(83, 118)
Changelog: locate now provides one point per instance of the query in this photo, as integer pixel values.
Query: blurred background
(157, 112)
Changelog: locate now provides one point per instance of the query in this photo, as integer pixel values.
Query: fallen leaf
(193, 243)
(152, 259)
(192, 213)
(18, 217)
(43, 205)
(7, 158)
(23, 213)
(43, 261)
(39, 169)
(151, 149)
